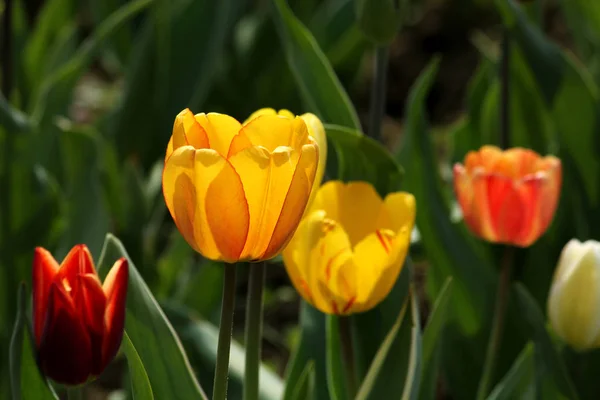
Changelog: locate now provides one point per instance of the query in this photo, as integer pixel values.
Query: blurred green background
(90, 90)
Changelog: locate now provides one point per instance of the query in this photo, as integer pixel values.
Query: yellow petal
(356, 206)
(270, 132)
(269, 111)
(169, 148)
(401, 207)
(266, 178)
(220, 129)
(205, 198)
(317, 132)
(295, 201)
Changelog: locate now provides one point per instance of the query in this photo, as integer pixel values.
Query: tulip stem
(253, 334)
(378, 92)
(502, 295)
(75, 393)
(345, 329)
(225, 327)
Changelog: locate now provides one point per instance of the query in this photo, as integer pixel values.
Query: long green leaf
(26, 381)
(11, 119)
(305, 384)
(519, 380)
(320, 87)
(378, 361)
(432, 338)
(412, 380)
(151, 333)
(547, 358)
(140, 384)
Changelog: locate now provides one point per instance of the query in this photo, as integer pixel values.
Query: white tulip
(574, 300)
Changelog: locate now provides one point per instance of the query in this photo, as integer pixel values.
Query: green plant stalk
(502, 295)
(505, 91)
(253, 334)
(347, 348)
(225, 327)
(378, 92)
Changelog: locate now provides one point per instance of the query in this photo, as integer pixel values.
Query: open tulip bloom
(508, 196)
(237, 192)
(77, 321)
(349, 248)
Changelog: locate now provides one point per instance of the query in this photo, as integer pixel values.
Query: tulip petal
(270, 132)
(344, 202)
(115, 290)
(266, 178)
(206, 199)
(269, 111)
(220, 129)
(401, 208)
(45, 268)
(372, 254)
(64, 332)
(78, 261)
(295, 202)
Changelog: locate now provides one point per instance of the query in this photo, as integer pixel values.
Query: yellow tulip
(574, 299)
(349, 248)
(237, 192)
(315, 129)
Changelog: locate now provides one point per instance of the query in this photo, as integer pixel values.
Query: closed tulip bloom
(237, 192)
(77, 321)
(508, 196)
(574, 300)
(350, 247)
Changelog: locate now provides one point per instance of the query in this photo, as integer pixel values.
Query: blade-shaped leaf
(336, 382)
(320, 87)
(151, 333)
(305, 385)
(519, 380)
(26, 381)
(140, 384)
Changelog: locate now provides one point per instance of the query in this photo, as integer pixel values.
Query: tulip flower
(508, 196)
(237, 192)
(574, 299)
(349, 249)
(77, 321)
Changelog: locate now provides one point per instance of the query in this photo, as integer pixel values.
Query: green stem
(498, 323)
(347, 348)
(378, 92)
(75, 393)
(225, 327)
(254, 325)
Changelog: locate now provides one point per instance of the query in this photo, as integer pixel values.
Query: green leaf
(200, 340)
(562, 83)
(336, 382)
(319, 86)
(550, 370)
(452, 251)
(26, 381)
(140, 384)
(305, 385)
(358, 157)
(517, 383)
(376, 366)
(310, 349)
(11, 119)
(432, 338)
(151, 333)
(57, 88)
(166, 74)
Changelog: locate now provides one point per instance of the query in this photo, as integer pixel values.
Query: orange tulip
(77, 321)
(237, 192)
(508, 196)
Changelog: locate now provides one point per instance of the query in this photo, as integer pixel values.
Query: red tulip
(508, 196)
(77, 321)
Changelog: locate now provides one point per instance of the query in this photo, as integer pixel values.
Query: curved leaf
(140, 384)
(336, 382)
(151, 333)
(518, 381)
(320, 87)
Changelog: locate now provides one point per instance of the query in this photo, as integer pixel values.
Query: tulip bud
(77, 322)
(574, 300)
(379, 20)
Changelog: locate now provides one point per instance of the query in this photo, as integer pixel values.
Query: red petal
(78, 261)
(507, 211)
(65, 350)
(115, 289)
(43, 272)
